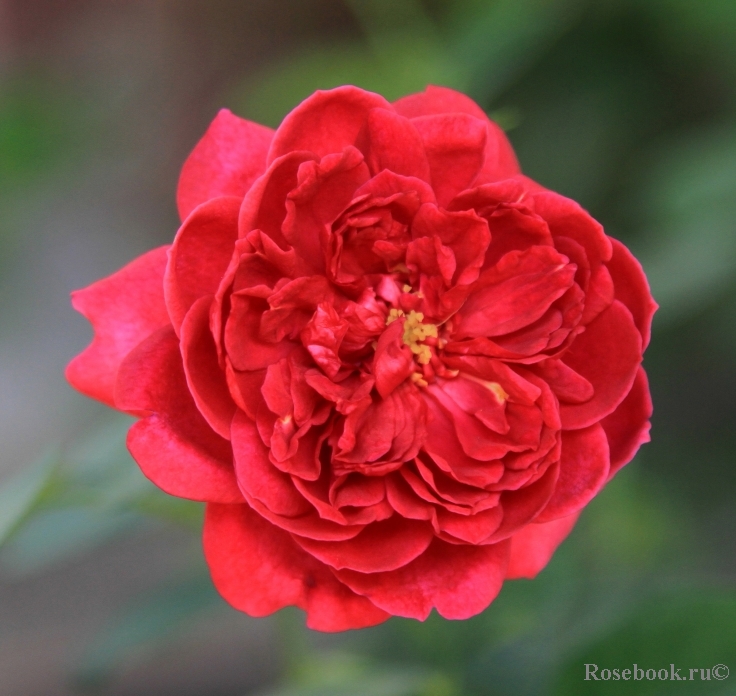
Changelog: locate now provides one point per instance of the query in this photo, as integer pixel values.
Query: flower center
(415, 332)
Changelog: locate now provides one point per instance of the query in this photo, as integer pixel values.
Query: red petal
(258, 477)
(584, 466)
(380, 547)
(326, 122)
(380, 434)
(521, 506)
(174, 446)
(607, 354)
(225, 162)
(322, 337)
(264, 206)
(359, 491)
(258, 569)
(567, 384)
(500, 160)
(513, 229)
(631, 288)
(516, 292)
(292, 306)
(200, 255)
(437, 100)
(386, 183)
(464, 232)
(394, 144)
(179, 466)
(599, 294)
(393, 361)
(459, 581)
(206, 380)
(455, 147)
(567, 219)
(243, 343)
(532, 547)
(324, 190)
(472, 529)
(124, 309)
(627, 428)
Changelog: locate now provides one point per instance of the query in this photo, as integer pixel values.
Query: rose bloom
(393, 367)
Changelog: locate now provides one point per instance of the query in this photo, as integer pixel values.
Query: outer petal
(124, 309)
(326, 122)
(627, 428)
(225, 162)
(437, 100)
(455, 146)
(200, 255)
(608, 355)
(394, 144)
(381, 546)
(458, 580)
(173, 446)
(525, 504)
(568, 219)
(258, 569)
(499, 162)
(584, 469)
(631, 288)
(206, 380)
(533, 546)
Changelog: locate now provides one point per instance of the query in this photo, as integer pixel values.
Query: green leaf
(19, 495)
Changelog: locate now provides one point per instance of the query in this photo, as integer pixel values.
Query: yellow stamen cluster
(414, 333)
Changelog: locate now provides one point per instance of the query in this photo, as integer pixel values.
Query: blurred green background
(628, 106)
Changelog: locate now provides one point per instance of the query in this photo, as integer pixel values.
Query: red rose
(394, 368)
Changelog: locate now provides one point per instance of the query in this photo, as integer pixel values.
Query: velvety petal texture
(226, 162)
(394, 368)
(124, 309)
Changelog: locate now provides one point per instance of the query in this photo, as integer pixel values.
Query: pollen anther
(415, 332)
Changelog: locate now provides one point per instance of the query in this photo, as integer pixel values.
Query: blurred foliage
(336, 674)
(145, 624)
(628, 106)
(79, 497)
(43, 127)
(36, 122)
(686, 629)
